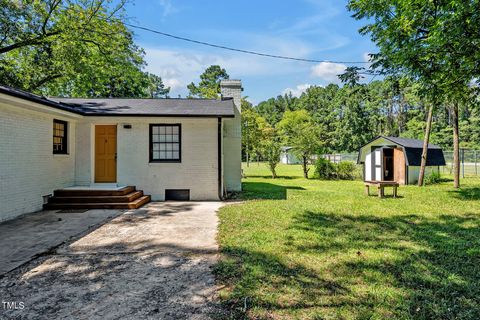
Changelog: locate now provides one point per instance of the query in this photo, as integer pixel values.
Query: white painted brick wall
(198, 170)
(28, 168)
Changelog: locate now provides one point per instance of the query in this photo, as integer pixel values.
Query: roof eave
(150, 115)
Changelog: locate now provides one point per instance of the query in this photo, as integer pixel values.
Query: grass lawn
(310, 249)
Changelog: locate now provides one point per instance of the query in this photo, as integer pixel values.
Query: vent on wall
(177, 194)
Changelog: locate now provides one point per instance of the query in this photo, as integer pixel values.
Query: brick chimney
(232, 137)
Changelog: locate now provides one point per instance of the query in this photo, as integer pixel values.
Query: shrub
(325, 169)
(433, 178)
(346, 170)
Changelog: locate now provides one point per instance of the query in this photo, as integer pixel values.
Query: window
(60, 137)
(165, 143)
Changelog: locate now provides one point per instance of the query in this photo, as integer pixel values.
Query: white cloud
(299, 89)
(366, 56)
(168, 7)
(178, 66)
(328, 71)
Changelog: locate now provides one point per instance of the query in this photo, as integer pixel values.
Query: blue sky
(315, 29)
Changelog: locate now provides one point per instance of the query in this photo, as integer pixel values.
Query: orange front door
(106, 153)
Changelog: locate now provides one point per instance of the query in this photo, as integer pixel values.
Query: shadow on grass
(249, 270)
(433, 262)
(471, 193)
(263, 190)
(270, 177)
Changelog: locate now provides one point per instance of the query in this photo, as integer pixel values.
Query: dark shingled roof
(151, 107)
(133, 107)
(410, 143)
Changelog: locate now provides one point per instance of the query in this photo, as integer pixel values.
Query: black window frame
(150, 137)
(64, 138)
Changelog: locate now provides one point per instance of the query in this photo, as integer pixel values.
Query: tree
(156, 87)
(318, 101)
(434, 42)
(272, 109)
(270, 146)
(302, 135)
(252, 130)
(209, 85)
(69, 47)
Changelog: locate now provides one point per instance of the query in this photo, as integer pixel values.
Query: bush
(325, 169)
(346, 170)
(433, 178)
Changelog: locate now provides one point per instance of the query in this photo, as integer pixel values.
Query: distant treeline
(350, 116)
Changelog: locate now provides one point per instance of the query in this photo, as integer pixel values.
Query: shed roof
(410, 143)
(132, 107)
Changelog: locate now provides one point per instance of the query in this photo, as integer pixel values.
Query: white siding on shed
(368, 167)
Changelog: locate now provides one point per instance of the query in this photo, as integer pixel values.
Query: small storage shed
(287, 156)
(397, 159)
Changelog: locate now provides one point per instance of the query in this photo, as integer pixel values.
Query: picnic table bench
(381, 186)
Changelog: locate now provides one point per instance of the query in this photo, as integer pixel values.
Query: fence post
(475, 158)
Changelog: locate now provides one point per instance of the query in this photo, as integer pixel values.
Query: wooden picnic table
(381, 186)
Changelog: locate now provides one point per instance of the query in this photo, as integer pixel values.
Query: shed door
(399, 165)
(377, 165)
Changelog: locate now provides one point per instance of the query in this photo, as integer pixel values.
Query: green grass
(310, 249)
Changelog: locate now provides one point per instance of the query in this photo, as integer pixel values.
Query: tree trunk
(456, 148)
(426, 139)
(274, 173)
(305, 167)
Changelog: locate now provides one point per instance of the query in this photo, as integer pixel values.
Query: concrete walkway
(150, 263)
(24, 238)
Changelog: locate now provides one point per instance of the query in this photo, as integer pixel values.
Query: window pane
(162, 130)
(155, 130)
(162, 155)
(176, 147)
(175, 130)
(176, 155)
(59, 136)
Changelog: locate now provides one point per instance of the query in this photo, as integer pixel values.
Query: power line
(240, 50)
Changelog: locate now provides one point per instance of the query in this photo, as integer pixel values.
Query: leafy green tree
(69, 47)
(272, 109)
(303, 135)
(252, 131)
(156, 88)
(270, 148)
(434, 42)
(318, 101)
(209, 85)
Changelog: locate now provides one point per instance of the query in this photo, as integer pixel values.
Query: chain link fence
(469, 161)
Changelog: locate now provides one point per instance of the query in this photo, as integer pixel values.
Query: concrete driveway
(150, 263)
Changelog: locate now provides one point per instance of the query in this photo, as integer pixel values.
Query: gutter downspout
(219, 157)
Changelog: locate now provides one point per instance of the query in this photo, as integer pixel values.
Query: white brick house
(192, 146)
